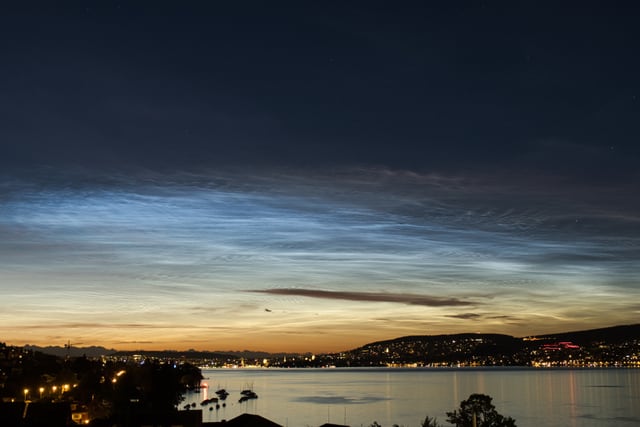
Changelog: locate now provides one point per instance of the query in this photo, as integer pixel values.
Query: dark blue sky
(364, 170)
(454, 86)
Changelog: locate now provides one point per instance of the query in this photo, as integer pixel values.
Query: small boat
(247, 395)
(248, 389)
(222, 393)
(207, 401)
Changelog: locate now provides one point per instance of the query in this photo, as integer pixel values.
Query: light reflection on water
(534, 397)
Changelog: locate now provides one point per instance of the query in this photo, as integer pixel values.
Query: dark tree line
(113, 392)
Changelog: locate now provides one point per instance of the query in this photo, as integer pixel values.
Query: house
(244, 420)
(47, 414)
(191, 418)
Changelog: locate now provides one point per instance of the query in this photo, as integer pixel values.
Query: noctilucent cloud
(316, 177)
(318, 263)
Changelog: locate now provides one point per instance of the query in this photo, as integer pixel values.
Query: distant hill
(497, 349)
(611, 334)
(614, 334)
(446, 346)
(62, 351)
(500, 338)
(210, 355)
(440, 348)
(97, 351)
(176, 354)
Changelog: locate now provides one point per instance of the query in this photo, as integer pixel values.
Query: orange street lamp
(26, 391)
(41, 389)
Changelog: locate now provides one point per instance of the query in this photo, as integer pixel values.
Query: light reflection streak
(573, 401)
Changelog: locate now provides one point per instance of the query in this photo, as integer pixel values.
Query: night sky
(313, 176)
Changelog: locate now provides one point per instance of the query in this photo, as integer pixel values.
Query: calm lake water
(358, 397)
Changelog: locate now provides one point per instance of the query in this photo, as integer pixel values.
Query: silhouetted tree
(429, 422)
(485, 413)
(151, 388)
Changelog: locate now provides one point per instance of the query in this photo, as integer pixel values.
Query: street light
(41, 389)
(26, 391)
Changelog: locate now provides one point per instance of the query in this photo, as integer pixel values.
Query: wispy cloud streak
(409, 299)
